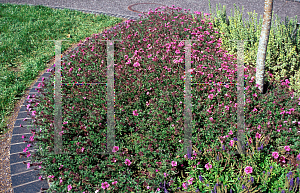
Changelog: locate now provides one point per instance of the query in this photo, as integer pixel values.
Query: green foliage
(282, 57)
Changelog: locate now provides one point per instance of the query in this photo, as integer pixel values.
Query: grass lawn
(24, 53)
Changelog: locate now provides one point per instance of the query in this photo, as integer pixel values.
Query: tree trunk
(263, 43)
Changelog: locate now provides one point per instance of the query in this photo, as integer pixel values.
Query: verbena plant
(149, 94)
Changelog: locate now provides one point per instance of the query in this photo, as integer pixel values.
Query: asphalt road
(282, 8)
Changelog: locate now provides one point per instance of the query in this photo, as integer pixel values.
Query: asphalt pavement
(132, 8)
